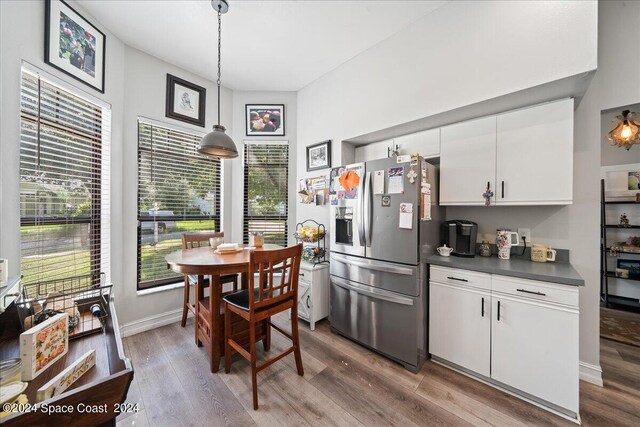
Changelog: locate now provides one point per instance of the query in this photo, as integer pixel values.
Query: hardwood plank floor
(347, 385)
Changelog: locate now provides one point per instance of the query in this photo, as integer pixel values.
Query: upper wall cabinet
(525, 155)
(426, 143)
(534, 155)
(467, 161)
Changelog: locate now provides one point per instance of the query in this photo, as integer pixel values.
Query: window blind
(178, 191)
(266, 177)
(64, 184)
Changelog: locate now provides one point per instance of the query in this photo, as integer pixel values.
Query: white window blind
(178, 191)
(266, 203)
(64, 185)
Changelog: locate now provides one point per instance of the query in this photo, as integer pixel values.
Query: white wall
(235, 187)
(144, 95)
(467, 52)
(22, 38)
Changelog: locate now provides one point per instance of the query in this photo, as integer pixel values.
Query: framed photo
(632, 268)
(185, 101)
(319, 156)
(73, 45)
(265, 120)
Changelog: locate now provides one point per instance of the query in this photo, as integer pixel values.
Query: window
(64, 184)
(178, 191)
(266, 175)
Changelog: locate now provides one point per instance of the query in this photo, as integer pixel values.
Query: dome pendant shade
(218, 144)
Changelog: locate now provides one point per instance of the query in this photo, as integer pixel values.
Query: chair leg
(227, 333)
(266, 341)
(296, 341)
(185, 309)
(254, 373)
(235, 284)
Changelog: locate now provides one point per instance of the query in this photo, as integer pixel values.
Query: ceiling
(266, 45)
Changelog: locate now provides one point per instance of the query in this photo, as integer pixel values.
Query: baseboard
(151, 322)
(591, 373)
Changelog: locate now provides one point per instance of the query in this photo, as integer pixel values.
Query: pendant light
(626, 133)
(217, 143)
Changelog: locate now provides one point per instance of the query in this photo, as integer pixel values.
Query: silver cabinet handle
(385, 268)
(368, 210)
(376, 294)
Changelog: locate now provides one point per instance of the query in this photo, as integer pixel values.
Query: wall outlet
(526, 233)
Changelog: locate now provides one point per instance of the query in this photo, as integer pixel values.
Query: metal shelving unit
(606, 298)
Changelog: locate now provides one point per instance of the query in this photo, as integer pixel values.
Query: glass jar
(485, 249)
(256, 239)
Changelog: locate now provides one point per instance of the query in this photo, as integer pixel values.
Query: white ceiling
(266, 45)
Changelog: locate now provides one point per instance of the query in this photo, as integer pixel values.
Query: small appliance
(460, 235)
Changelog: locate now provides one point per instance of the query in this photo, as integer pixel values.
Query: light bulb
(626, 132)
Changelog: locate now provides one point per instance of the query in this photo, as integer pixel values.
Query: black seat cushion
(241, 299)
(227, 278)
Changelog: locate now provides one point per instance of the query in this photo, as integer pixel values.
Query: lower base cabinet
(313, 293)
(527, 339)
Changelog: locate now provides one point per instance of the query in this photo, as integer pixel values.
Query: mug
(214, 242)
(504, 241)
(444, 250)
(540, 253)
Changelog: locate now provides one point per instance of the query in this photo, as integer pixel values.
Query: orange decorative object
(349, 180)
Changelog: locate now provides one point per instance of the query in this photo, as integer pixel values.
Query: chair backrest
(273, 290)
(195, 240)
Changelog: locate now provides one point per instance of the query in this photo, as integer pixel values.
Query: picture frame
(74, 45)
(265, 119)
(631, 265)
(319, 156)
(185, 101)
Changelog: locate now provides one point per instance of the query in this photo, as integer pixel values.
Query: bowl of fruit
(309, 234)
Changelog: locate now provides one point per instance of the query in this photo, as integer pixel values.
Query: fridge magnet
(405, 158)
(406, 216)
(349, 180)
(412, 175)
(386, 201)
(333, 199)
(43, 345)
(264, 120)
(396, 180)
(66, 378)
(334, 179)
(74, 45)
(378, 182)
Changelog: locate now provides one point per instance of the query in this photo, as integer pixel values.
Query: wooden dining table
(209, 316)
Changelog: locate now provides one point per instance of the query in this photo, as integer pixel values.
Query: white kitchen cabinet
(467, 161)
(425, 143)
(534, 155)
(460, 326)
(313, 293)
(534, 348)
(527, 341)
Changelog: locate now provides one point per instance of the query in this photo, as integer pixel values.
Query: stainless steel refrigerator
(378, 288)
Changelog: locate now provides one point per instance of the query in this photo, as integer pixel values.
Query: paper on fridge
(378, 182)
(396, 180)
(406, 215)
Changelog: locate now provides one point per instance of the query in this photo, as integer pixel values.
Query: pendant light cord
(219, 45)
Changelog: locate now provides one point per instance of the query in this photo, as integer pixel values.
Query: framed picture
(265, 120)
(632, 267)
(319, 156)
(73, 45)
(185, 101)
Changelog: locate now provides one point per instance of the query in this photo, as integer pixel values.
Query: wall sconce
(625, 134)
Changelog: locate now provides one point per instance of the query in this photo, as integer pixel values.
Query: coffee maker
(460, 235)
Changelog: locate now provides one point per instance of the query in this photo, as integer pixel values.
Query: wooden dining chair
(255, 305)
(195, 240)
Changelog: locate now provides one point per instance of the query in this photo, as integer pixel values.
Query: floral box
(43, 345)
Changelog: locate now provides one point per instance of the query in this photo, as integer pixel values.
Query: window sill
(162, 288)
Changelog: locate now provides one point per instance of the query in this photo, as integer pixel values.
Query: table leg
(215, 295)
(198, 297)
(244, 280)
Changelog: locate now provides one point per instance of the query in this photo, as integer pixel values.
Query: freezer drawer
(404, 279)
(385, 321)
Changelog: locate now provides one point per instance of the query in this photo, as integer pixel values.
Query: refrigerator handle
(368, 210)
(361, 216)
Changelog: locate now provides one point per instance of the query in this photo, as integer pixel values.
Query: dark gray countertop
(556, 272)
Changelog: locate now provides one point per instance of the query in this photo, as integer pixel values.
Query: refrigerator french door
(347, 233)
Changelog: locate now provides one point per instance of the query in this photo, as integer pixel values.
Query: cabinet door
(535, 349)
(460, 326)
(304, 300)
(467, 161)
(425, 143)
(535, 155)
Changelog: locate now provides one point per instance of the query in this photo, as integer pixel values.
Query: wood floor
(346, 385)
